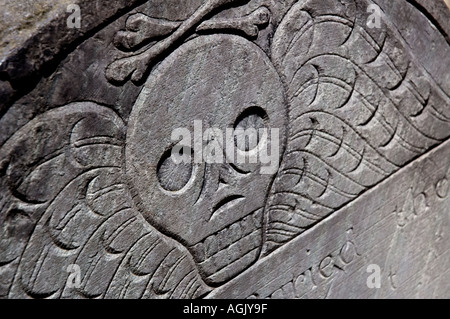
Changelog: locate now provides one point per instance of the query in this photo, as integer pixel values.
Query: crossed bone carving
(141, 29)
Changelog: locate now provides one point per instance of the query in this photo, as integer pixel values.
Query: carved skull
(214, 210)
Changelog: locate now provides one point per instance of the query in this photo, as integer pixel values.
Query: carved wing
(361, 107)
(67, 204)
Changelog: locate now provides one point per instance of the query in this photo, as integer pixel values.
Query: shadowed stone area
(225, 149)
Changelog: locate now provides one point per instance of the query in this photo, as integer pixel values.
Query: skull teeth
(229, 257)
(229, 240)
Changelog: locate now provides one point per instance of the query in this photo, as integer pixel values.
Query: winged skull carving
(103, 194)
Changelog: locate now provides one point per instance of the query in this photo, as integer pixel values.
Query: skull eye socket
(247, 128)
(174, 176)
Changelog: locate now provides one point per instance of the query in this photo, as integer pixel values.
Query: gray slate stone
(88, 186)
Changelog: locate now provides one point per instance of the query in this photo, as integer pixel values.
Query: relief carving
(85, 184)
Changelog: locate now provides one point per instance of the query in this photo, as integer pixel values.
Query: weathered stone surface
(356, 98)
(405, 234)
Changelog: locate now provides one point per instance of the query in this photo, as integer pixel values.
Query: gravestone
(225, 149)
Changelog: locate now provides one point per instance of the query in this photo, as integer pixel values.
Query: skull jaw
(224, 255)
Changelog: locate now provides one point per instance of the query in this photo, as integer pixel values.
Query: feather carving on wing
(360, 107)
(67, 203)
